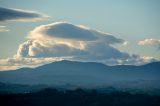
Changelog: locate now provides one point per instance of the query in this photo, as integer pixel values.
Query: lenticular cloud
(12, 14)
(68, 31)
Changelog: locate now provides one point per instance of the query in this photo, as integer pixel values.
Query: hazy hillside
(86, 74)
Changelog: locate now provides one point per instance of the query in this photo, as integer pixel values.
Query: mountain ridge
(84, 74)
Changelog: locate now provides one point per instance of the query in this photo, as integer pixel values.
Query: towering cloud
(67, 39)
(11, 14)
(75, 42)
(63, 40)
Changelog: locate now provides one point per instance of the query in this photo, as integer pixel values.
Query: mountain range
(86, 74)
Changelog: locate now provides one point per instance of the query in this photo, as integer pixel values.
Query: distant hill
(86, 74)
(6, 88)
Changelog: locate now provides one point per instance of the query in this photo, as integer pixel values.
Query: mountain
(86, 74)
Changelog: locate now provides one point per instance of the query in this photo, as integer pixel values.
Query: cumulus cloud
(36, 48)
(12, 14)
(14, 63)
(3, 29)
(150, 42)
(66, 39)
(63, 40)
(77, 42)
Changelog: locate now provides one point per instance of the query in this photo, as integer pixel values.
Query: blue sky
(131, 20)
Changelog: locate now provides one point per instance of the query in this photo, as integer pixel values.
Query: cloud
(77, 42)
(69, 32)
(36, 48)
(14, 63)
(62, 30)
(63, 40)
(3, 29)
(150, 42)
(11, 14)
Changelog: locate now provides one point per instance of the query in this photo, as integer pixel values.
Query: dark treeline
(78, 97)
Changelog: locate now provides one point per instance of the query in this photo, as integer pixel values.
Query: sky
(23, 24)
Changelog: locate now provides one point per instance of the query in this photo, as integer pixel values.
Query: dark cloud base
(17, 14)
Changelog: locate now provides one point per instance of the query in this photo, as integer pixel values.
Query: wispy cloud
(150, 42)
(3, 29)
(12, 14)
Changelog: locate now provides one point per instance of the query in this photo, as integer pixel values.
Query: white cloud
(37, 48)
(14, 63)
(65, 39)
(12, 14)
(3, 29)
(62, 40)
(62, 30)
(150, 42)
(68, 32)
